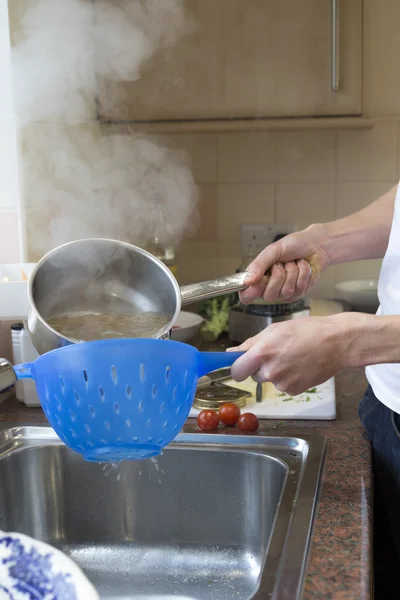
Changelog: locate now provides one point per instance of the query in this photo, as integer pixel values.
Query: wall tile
(246, 157)
(229, 258)
(9, 238)
(243, 203)
(197, 261)
(369, 154)
(306, 156)
(208, 214)
(353, 196)
(8, 165)
(202, 148)
(305, 203)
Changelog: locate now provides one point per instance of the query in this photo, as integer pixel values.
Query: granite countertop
(339, 566)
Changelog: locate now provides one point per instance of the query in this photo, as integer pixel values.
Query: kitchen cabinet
(250, 59)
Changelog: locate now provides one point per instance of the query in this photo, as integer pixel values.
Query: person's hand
(298, 354)
(291, 275)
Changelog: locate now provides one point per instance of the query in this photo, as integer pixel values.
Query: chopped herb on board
(312, 390)
(288, 399)
(282, 394)
(308, 399)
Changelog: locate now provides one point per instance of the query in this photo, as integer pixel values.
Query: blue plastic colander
(111, 400)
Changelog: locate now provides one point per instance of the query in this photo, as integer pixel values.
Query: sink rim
(303, 455)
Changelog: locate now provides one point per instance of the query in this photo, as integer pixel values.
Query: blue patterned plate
(32, 570)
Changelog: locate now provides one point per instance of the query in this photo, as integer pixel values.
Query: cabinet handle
(335, 47)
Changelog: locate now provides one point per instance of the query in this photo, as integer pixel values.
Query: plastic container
(16, 329)
(14, 303)
(28, 354)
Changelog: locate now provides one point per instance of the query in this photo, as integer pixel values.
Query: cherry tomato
(248, 422)
(229, 413)
(208, 420)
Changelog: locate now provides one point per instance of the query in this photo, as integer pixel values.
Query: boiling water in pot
(87, 327)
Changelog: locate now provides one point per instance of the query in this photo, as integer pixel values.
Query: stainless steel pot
(108, 276)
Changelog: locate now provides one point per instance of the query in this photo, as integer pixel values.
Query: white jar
(16, 329)
(28, 354)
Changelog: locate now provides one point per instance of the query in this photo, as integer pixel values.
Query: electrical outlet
(254, 238)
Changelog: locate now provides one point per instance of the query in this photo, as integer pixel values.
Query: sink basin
(214, 518)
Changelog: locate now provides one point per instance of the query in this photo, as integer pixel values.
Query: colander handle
(24, 371)
(211, 361)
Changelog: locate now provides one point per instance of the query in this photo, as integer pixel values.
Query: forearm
(364, 234)
(368, 339)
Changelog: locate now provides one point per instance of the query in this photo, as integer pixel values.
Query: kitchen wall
(9, 196)
(292, 176)
(299, 177)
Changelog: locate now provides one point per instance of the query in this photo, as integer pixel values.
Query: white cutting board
(316, 405)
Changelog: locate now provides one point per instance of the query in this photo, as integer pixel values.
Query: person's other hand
(297, 354)
(291, 275)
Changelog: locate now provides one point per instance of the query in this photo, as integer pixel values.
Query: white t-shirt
(385, 379)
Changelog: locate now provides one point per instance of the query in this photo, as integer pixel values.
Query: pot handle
(215, 287)
(231, 283)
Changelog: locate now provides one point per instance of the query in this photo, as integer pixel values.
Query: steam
(81, 178)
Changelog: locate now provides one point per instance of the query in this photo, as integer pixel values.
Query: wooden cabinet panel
(247, 59)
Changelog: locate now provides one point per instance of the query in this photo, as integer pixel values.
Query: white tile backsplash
(246, 157)
(305, 156)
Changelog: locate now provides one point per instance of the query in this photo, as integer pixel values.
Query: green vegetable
(312, 390)
(216, 314)
(288, 399)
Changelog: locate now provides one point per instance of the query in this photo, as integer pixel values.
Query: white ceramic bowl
(186, 327)
(361, 294)
(31, 569)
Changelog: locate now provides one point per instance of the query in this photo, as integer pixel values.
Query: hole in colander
(62, 383)
(87, 429)
(57, 418)
(174, 393)
(142, 373)
(165, 424)
(162, 407)
(101, 394)
(58, 404)
(128, 423)
(186, 378)
(140, 406)
(160, 441)
(178, 410)
(135, 440)
(154, 391)
(119, 440)
(176, 427)
(107, 425)
(92, 411)
(116, 408)
(73, 433)
(150, 439)
(148, 423)
(77, 399)
(103, 441)
(89, 445)
(128, 392)
(167, 374)
(72, 416)
(80, 448)
(85, 376)
(114, 375)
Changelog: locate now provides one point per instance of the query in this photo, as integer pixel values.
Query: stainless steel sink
(214, 518)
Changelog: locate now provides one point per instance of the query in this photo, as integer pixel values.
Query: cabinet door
(245, 59)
